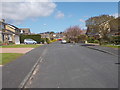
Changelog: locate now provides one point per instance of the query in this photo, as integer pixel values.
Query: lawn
(22, 46)
(8, 57)
(112, 46)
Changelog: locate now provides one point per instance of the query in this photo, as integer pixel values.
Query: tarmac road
(75, 66)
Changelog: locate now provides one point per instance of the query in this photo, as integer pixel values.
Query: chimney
(3, 20)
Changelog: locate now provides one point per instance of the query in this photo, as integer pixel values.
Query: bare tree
(72, 33)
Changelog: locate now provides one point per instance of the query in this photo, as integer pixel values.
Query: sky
(54, 16)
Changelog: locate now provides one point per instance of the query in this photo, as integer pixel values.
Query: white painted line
(41, 60)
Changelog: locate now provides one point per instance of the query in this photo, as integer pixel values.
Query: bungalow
(9, 33)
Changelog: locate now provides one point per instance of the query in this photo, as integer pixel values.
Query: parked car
(63, 41)
(29, 41)
(59, 39)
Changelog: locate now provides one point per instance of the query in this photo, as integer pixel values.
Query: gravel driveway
(15, 50)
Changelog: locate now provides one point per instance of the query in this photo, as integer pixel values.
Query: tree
(115, 25)
(100, 25)
(82, 38)
(93, 24)
(72, 33)
(52, 32)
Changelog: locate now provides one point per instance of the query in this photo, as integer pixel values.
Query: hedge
(91, 39)
(36, 37)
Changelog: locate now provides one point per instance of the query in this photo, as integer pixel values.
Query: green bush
(48, 41)
(82, 38)
(91, 39)
(36, 37)
(11, 43)
(96, 41)
(42, 40)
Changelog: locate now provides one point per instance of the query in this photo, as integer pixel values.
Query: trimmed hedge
(36, 37)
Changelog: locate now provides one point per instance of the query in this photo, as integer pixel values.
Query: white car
(29, 41)
(63, 41)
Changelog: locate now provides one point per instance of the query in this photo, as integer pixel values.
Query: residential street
(74, 66)
(59, 44)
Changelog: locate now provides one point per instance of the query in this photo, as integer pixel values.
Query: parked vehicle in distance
(29, 41)
(63, 41)
(59, 39)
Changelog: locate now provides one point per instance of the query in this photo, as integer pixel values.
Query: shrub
(91, 39)
(96, 41)
(42, 40)
(82, 37)
(11, 43)
(47, 40)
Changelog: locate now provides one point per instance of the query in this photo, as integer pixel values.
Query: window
(9, 38)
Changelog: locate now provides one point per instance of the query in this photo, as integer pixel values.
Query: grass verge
(8, 57)
(112, 46)
(22, 46)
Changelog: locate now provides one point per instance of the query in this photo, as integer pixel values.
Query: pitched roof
(26, 30)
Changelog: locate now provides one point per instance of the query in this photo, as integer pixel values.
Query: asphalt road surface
(75, 66)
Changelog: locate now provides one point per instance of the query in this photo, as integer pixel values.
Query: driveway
(15, 50)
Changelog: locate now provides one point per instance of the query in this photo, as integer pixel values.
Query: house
(25, 31)
(9, 33)
(51, 36)
(45, 35)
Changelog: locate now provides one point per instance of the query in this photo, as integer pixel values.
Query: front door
(17, 39)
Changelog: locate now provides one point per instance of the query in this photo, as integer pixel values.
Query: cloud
(81, 20)
(59, 15)
(63, 0)
(14, 11)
